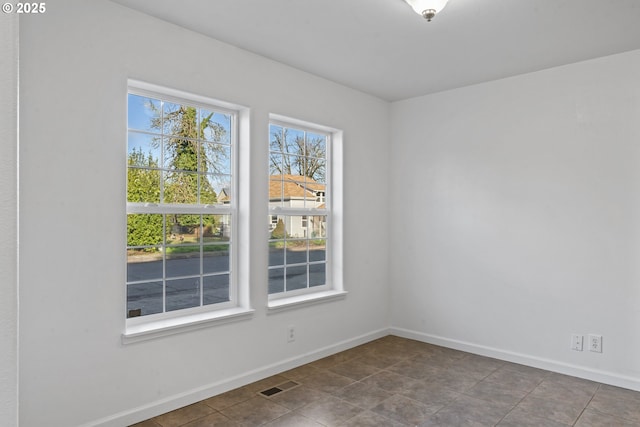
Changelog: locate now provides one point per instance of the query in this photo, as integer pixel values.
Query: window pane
(143, 150)
(182, 261)
(144, 264)
(215, 258)
(317, 274)
(275, 164)
(180, 154)
(293, 166)
(217, 228)
(276, 253)
(316, 146)
(207, 194)
(317, 191)
(144, 229)
(296, 226)
(146, 297)
(317, 250)
(276, 191)
(180, 187)
(216, 127)
(276, 280)
(317, 170)
(215, 189)
(182, 229)
(215, 158)
(143, 113)
(296, 277)
(273, 222)
(310, 194)
(318, 226)
(276, 141)
(143, 185)
(294, 141)
(180, 120)
(216, 289)
(224, 196)
(183, 293)
(296, 251)
(279, 232)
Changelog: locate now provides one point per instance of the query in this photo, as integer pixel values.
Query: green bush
(280, 231)
(144, 229)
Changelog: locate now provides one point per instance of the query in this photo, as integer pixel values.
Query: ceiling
(383, 48)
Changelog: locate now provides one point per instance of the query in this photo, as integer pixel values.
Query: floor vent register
(279, 388)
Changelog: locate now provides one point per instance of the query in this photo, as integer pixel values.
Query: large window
(299, 210)
(180, 205)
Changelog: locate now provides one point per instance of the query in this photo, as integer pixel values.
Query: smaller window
(299, 213)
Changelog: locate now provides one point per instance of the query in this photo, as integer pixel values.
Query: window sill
(281, 304)
(164, 327)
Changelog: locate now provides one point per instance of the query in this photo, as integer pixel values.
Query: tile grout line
(587, 405)
(520, 401)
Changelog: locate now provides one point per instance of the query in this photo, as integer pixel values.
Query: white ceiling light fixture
(427, 8)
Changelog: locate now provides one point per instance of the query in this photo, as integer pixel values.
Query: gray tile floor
(399, 382)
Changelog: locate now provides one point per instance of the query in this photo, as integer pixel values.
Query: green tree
(280, 231)
(189, 159)
(143, 186)
(143, 178)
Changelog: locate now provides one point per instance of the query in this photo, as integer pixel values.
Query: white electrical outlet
(576, 342)
(595, 343)
(291, 335)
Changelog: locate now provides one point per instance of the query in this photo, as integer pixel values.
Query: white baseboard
(171, 403)
(523, 359)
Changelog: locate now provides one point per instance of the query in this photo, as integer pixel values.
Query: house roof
(285, 187)
(224, 195)
(293, 187)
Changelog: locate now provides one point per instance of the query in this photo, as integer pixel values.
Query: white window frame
(166, 323)
(333, 287)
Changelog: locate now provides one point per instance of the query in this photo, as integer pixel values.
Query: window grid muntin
(197, 208)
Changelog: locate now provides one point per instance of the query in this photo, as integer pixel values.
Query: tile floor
(399, 382)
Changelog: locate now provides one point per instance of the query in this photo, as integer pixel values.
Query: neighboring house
(296, 191)
(224, 196)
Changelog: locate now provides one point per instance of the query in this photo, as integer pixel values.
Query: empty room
(320, 213)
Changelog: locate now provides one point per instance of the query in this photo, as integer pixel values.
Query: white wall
(8, 220)
(524, 219)
(75, 62)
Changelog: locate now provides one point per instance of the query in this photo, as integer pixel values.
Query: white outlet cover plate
(576, 342)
